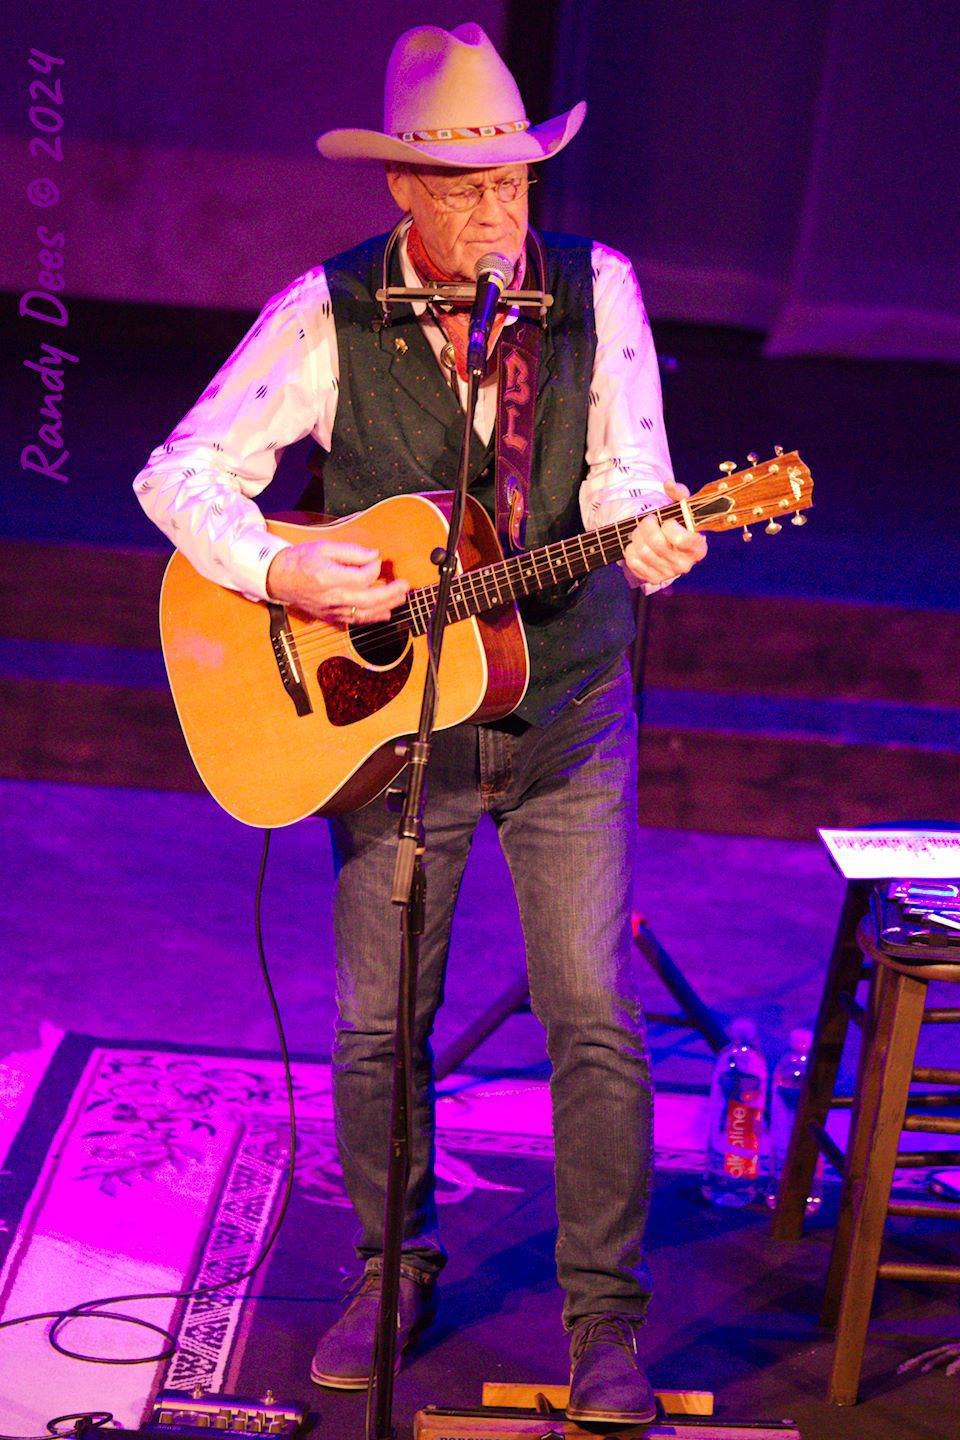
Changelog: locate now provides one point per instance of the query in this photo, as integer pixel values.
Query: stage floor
(142, 1168)
(131, 919)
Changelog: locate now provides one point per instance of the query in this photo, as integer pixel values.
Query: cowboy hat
(450, 100)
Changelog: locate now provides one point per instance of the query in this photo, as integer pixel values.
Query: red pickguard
(351, 693)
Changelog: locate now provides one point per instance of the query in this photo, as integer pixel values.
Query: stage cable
(91, 1309)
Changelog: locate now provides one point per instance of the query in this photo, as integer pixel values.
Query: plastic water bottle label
(742, 1151)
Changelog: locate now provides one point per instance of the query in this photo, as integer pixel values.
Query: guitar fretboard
(534, 570)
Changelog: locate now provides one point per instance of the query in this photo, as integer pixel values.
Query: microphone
(492, 274)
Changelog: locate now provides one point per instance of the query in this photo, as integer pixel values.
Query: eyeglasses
(468, 197)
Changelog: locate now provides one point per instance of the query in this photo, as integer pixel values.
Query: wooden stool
(890, 1025)
(838, 1006)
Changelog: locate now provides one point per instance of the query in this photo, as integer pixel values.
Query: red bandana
(455, 324)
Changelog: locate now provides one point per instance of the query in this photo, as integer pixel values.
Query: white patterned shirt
(282, 383)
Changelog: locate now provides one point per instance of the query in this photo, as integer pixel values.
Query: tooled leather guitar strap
(518, 373)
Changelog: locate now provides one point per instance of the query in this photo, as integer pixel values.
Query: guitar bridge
(288, 661)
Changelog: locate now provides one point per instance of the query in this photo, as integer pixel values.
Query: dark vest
(399, 428)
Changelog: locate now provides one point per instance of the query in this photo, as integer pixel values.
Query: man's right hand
(333, 581)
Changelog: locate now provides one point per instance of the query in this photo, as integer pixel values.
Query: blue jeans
(563, 797)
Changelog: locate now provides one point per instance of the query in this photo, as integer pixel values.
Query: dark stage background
(779, 174)
(784, 167)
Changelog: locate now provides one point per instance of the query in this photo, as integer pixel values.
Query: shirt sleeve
(280, 384)
(627, 455)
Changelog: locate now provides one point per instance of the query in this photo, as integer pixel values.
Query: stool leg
(895, 1047)
(829, 1033)
(878, 1017)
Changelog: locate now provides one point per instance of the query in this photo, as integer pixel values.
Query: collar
(411, 279)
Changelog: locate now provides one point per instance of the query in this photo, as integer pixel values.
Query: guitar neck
(766, 491)
(534, 570)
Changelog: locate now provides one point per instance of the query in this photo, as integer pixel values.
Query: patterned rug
(138, 1168)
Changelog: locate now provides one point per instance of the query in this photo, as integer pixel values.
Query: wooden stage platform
(764, 715)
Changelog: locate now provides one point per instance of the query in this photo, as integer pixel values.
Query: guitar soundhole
(351, 692)
(381, 644)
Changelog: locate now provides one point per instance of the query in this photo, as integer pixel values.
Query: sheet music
(906, 854)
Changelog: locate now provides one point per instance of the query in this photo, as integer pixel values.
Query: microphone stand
(409, 893)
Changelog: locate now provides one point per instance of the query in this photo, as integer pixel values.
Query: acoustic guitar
(287, 716)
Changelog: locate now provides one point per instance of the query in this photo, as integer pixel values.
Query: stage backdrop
(789, 167)
(190, 174)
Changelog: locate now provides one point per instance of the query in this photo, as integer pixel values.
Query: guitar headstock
(770, 490)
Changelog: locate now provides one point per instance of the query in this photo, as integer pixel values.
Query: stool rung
(917, 1159)
(852, 1006)
(913, 1270)
(659, 1017)
(932, 1124)
(929, 1209)
(942, 1099)
(935, 1075)
(945, 1098)
(829, 1147)
(942, 1015)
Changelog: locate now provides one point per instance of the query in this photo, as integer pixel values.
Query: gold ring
(353, 614)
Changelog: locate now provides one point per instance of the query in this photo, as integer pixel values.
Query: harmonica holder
(459, 294)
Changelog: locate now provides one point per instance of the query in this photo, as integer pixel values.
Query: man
(558, 777)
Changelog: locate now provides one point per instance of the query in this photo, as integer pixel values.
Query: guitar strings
(318, 640)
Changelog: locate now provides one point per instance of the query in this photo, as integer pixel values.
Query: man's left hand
(657, 553)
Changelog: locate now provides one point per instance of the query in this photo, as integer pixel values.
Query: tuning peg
(752, 457)
(773, 528)
(728, 466)
(799, 519)
(746, 534)
(778, 449)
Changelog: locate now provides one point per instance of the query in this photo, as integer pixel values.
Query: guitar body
(286, 716)
(324, 743)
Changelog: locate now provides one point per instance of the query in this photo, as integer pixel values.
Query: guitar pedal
(179, 1412)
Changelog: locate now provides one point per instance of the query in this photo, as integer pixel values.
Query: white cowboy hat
(449, 99)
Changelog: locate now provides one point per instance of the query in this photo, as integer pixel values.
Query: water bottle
(787, 1083)
(738, 1093)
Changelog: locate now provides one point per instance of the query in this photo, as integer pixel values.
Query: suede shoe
(341, 1360)
(607, 1384)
